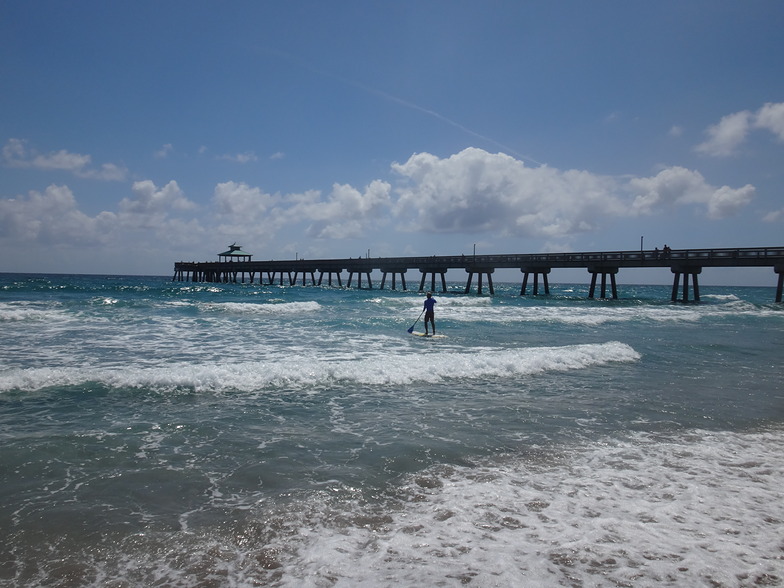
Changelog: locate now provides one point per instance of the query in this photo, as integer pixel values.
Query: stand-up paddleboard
(429, 336)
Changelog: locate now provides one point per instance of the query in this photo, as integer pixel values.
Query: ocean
(159, 433)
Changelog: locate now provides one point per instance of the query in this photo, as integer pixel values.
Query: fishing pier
(235, 265)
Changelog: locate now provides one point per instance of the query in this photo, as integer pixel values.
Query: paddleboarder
(430, 315)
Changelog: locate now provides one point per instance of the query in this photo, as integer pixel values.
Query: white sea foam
(695, 508)
(373, 369)
(467, 301)
(600, 314)
(721, 297)
(27, 312)
(572, 315)
(264, 308)
(702, 509)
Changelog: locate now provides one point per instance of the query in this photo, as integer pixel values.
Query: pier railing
(684, 263)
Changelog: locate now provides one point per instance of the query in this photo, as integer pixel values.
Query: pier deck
(685, 264)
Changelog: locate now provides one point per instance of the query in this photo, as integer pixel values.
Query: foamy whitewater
(177, 434)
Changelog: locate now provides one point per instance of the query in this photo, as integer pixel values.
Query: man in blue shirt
(430, 303)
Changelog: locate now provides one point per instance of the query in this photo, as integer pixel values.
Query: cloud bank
(471, 192)
(476, 191)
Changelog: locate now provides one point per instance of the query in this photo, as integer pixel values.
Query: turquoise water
(159, 433)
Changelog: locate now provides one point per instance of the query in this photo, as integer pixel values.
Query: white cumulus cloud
(245, 211)
(52, 217)
(150, 205)
(164, 151)
(678, 185)
(16, 153)
(241, 201)
(771, 117)
(475, 191)
(246, 157)
(149, 198)
(725, 202)
(347, 212)
(732, 130)
(344, 213)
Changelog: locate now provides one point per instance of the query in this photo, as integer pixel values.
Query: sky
(137, 134)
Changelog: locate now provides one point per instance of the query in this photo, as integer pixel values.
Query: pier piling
(604, 271)
(685, 271)
(394, 273)
(536, 272)
(479, 273)
(433, 272)
(359, 279)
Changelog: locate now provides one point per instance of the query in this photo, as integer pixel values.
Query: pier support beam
(433, 272)
(780, 287)
(536, 271)
(359, 279)
(329, 278)
(604, 271)
(394, 274)
(685, 271)
(304, 277)
(488, 271)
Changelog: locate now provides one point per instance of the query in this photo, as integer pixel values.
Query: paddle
(411, 330)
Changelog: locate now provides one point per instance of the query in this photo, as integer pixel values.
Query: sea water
(159, 433)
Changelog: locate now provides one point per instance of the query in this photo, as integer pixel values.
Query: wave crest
(306, 373)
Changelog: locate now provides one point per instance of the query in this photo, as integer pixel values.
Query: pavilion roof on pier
(235, 251)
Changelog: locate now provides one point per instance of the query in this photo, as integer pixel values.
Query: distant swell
(297, 373)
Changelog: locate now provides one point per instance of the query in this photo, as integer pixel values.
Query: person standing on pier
(430, 315)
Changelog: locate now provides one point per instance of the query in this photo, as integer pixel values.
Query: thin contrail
(402, 102)
(438, 116)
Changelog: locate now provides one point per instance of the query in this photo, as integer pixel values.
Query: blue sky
(138, 134)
